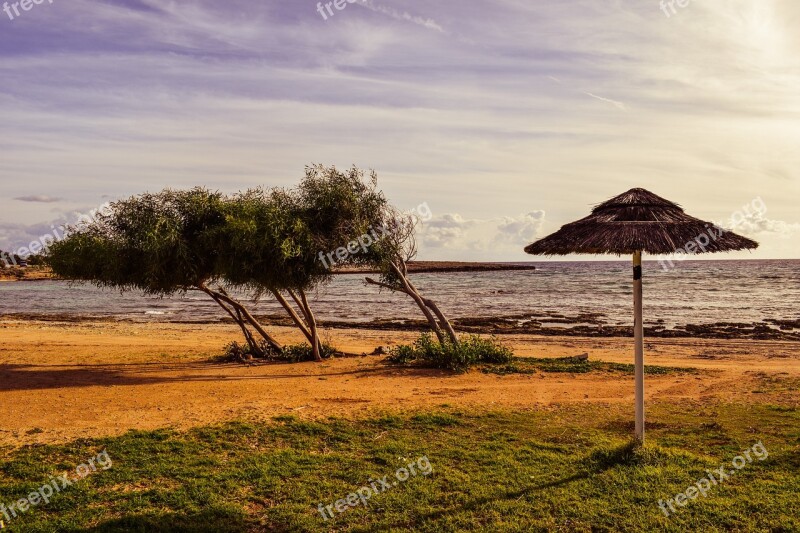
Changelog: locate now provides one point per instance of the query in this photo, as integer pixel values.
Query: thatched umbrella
(634, 222)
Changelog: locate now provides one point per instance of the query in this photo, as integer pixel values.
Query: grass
(561, 469)
(531, 365)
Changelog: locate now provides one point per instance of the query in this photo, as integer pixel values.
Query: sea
(693, 292)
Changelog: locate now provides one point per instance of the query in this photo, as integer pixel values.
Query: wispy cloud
(402, 15)
(618, 105)
(38, 198)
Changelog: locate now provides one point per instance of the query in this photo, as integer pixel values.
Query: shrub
(295, 353)
(241, 352)
(470, 350)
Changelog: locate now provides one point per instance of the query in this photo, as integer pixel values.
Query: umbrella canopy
(638, 220)
(634, 222)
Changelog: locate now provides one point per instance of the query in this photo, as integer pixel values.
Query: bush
(295, 353)
(243, 352)
(471, 350)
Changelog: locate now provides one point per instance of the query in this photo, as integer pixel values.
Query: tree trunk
(250, 319)
(302, 303)
(408, 289)
(295, 318)
(442, 320)
(312, 322)
(254, 348)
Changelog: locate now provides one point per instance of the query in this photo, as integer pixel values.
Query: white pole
(638, 333)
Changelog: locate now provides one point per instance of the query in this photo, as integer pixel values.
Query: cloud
(453, 237)
(14, 235)
(523, 229)
(618, 105)
(404, 16)
(444, 231)
(757, 224)
(40, 198)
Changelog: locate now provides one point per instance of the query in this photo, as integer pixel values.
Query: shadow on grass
(597, 462)
(220, 520)
(601, 460)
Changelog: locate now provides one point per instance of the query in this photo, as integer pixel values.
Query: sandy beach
(60, 381)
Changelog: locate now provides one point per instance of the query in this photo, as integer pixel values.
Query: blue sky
(508, 118)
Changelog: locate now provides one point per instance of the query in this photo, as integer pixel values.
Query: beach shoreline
(547, 324)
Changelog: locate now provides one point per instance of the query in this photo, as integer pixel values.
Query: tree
(338, 209)
(274, 240)
(391, 256)
(264, 248)
(9, 259)
(159, 244)
(263, 241)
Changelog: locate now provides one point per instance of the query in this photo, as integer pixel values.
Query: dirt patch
(60, 381)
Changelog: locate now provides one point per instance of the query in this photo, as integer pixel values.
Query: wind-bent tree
(391, 256)
(264, 247)
(342, 212)
(279, 242)
(276, 241)
(160, 244)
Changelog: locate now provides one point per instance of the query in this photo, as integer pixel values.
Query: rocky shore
(546, 324)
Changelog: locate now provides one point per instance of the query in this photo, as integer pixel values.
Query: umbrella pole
(638, 333)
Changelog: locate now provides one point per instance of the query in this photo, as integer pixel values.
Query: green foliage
(568, 365)
(339, 207)
(35, 260)
(10, 259)
(471, 350)
(294, 353)
(265, 244)
(260, 240)
(155, 243)
(298, 353)
(244, 352)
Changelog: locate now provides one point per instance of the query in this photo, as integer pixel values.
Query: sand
(61, 381)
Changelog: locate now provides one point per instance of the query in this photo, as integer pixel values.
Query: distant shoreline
(422, 267)
(33, 273)
(415, 267)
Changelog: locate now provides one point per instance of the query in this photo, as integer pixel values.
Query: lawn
(564, 468)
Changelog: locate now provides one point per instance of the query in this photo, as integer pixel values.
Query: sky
(508, 118)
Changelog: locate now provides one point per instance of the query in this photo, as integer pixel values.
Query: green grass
(568, 468)
(531, 365)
